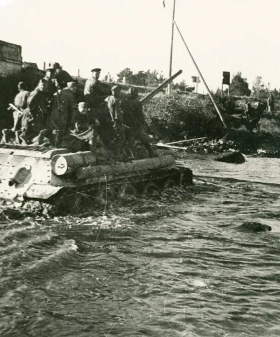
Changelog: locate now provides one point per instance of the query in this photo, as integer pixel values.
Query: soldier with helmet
(61, 76)
(134, 121)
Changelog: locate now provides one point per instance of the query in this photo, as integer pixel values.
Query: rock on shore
(232, 157)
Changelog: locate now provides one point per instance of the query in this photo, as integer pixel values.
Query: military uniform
(50, 87)
(134, 121)
(62, 110)
(63, 77)
(115, 130)
(34, 117)
(95, 93)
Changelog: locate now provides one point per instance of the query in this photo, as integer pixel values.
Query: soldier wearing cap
(61, 76)
(95, 93)
(134, 120)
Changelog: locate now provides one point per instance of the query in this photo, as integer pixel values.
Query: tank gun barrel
(149, 96)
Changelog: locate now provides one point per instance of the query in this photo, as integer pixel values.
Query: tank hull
(56, 176)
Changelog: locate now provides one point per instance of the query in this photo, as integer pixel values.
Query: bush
(179, 116)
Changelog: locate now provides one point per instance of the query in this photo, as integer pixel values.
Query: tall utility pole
(201, 76)
(171, 49)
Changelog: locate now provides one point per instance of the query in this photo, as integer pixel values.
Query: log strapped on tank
(68, 163)
(121, 168)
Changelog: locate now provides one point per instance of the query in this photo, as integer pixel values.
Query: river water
(174, 265)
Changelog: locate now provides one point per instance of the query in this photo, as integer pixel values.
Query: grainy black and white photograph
(139, 168)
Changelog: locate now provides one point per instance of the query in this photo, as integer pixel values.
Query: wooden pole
(203, 80)
(171, 48)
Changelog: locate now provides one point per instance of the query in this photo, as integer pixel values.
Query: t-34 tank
(35, 176)
(40, 178)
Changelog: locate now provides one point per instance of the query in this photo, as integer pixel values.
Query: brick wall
(8, 68)
(10, 59)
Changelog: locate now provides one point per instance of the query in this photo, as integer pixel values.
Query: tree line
(238, 86)
(149, 78)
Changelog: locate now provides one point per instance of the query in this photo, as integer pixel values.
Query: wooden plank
(185, 140)
(172, 146)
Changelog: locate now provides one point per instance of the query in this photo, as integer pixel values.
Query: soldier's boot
(41, 136)
(23, 138)
(17, 140)
(4, 136)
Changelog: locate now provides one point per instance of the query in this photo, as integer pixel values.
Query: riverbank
(260, 143)
(178, 118)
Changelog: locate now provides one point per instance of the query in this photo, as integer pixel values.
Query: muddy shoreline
(262, 144)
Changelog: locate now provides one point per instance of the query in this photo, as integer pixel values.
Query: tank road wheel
(68, 203)
(126, 190)
(104, 196)
(151, 189)
(169, 183)
(186, 178)
(33, 206)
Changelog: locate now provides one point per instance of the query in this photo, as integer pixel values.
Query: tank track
(74, 200)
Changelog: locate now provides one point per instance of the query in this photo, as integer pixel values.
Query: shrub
(179, 116)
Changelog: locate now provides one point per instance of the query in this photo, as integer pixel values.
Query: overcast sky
(223, 35)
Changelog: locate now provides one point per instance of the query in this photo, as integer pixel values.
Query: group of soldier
(98, 120)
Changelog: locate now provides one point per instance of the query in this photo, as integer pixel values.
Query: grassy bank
(178, 117)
